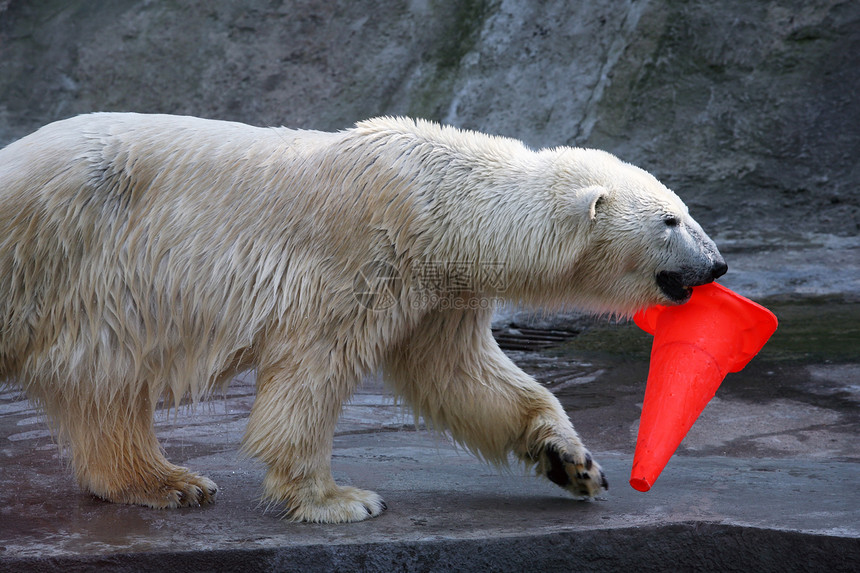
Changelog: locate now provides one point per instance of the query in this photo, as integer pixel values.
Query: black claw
(603, 483)
(556, 474)
(588, 461)
(369, 511)
(384, 506)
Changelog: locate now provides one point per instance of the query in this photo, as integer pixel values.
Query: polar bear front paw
(576, 471)
(336, 505)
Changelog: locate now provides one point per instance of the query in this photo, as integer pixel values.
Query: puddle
(811, 330)
(815, 330)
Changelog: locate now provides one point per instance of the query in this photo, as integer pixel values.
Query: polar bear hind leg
(116, 454)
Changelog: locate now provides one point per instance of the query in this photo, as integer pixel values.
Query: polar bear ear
(588, 200)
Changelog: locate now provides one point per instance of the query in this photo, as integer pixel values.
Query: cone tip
(640, 484)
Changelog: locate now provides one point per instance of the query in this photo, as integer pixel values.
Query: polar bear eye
(671, 221)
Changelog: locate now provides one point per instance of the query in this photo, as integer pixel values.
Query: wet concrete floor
(767, 479)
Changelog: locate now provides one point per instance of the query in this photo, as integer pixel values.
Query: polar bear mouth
(672, 285)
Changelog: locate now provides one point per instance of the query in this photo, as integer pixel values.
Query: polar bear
(148, 257)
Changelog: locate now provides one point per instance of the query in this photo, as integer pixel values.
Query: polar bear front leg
(559, 455)
(454, 374)
(291, 429)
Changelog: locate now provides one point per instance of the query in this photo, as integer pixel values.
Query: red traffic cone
(695, 345)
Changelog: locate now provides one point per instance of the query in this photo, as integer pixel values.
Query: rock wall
(749, 110)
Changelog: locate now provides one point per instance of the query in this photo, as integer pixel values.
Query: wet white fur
(145, 256)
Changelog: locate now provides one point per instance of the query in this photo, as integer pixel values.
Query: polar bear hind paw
(340, 505)
(179, 488)
(196, 491)
(579, 474)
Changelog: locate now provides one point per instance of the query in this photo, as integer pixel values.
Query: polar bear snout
(678, 285)
(718, 269)
(693, 260)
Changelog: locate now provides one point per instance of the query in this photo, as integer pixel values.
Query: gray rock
(749, 111)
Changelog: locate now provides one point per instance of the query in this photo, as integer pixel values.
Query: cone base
(640, 484)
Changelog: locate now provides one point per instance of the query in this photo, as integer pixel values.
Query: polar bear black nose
(719, 269)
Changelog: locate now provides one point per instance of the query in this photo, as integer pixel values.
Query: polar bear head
(570, 226)
(643, 247)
